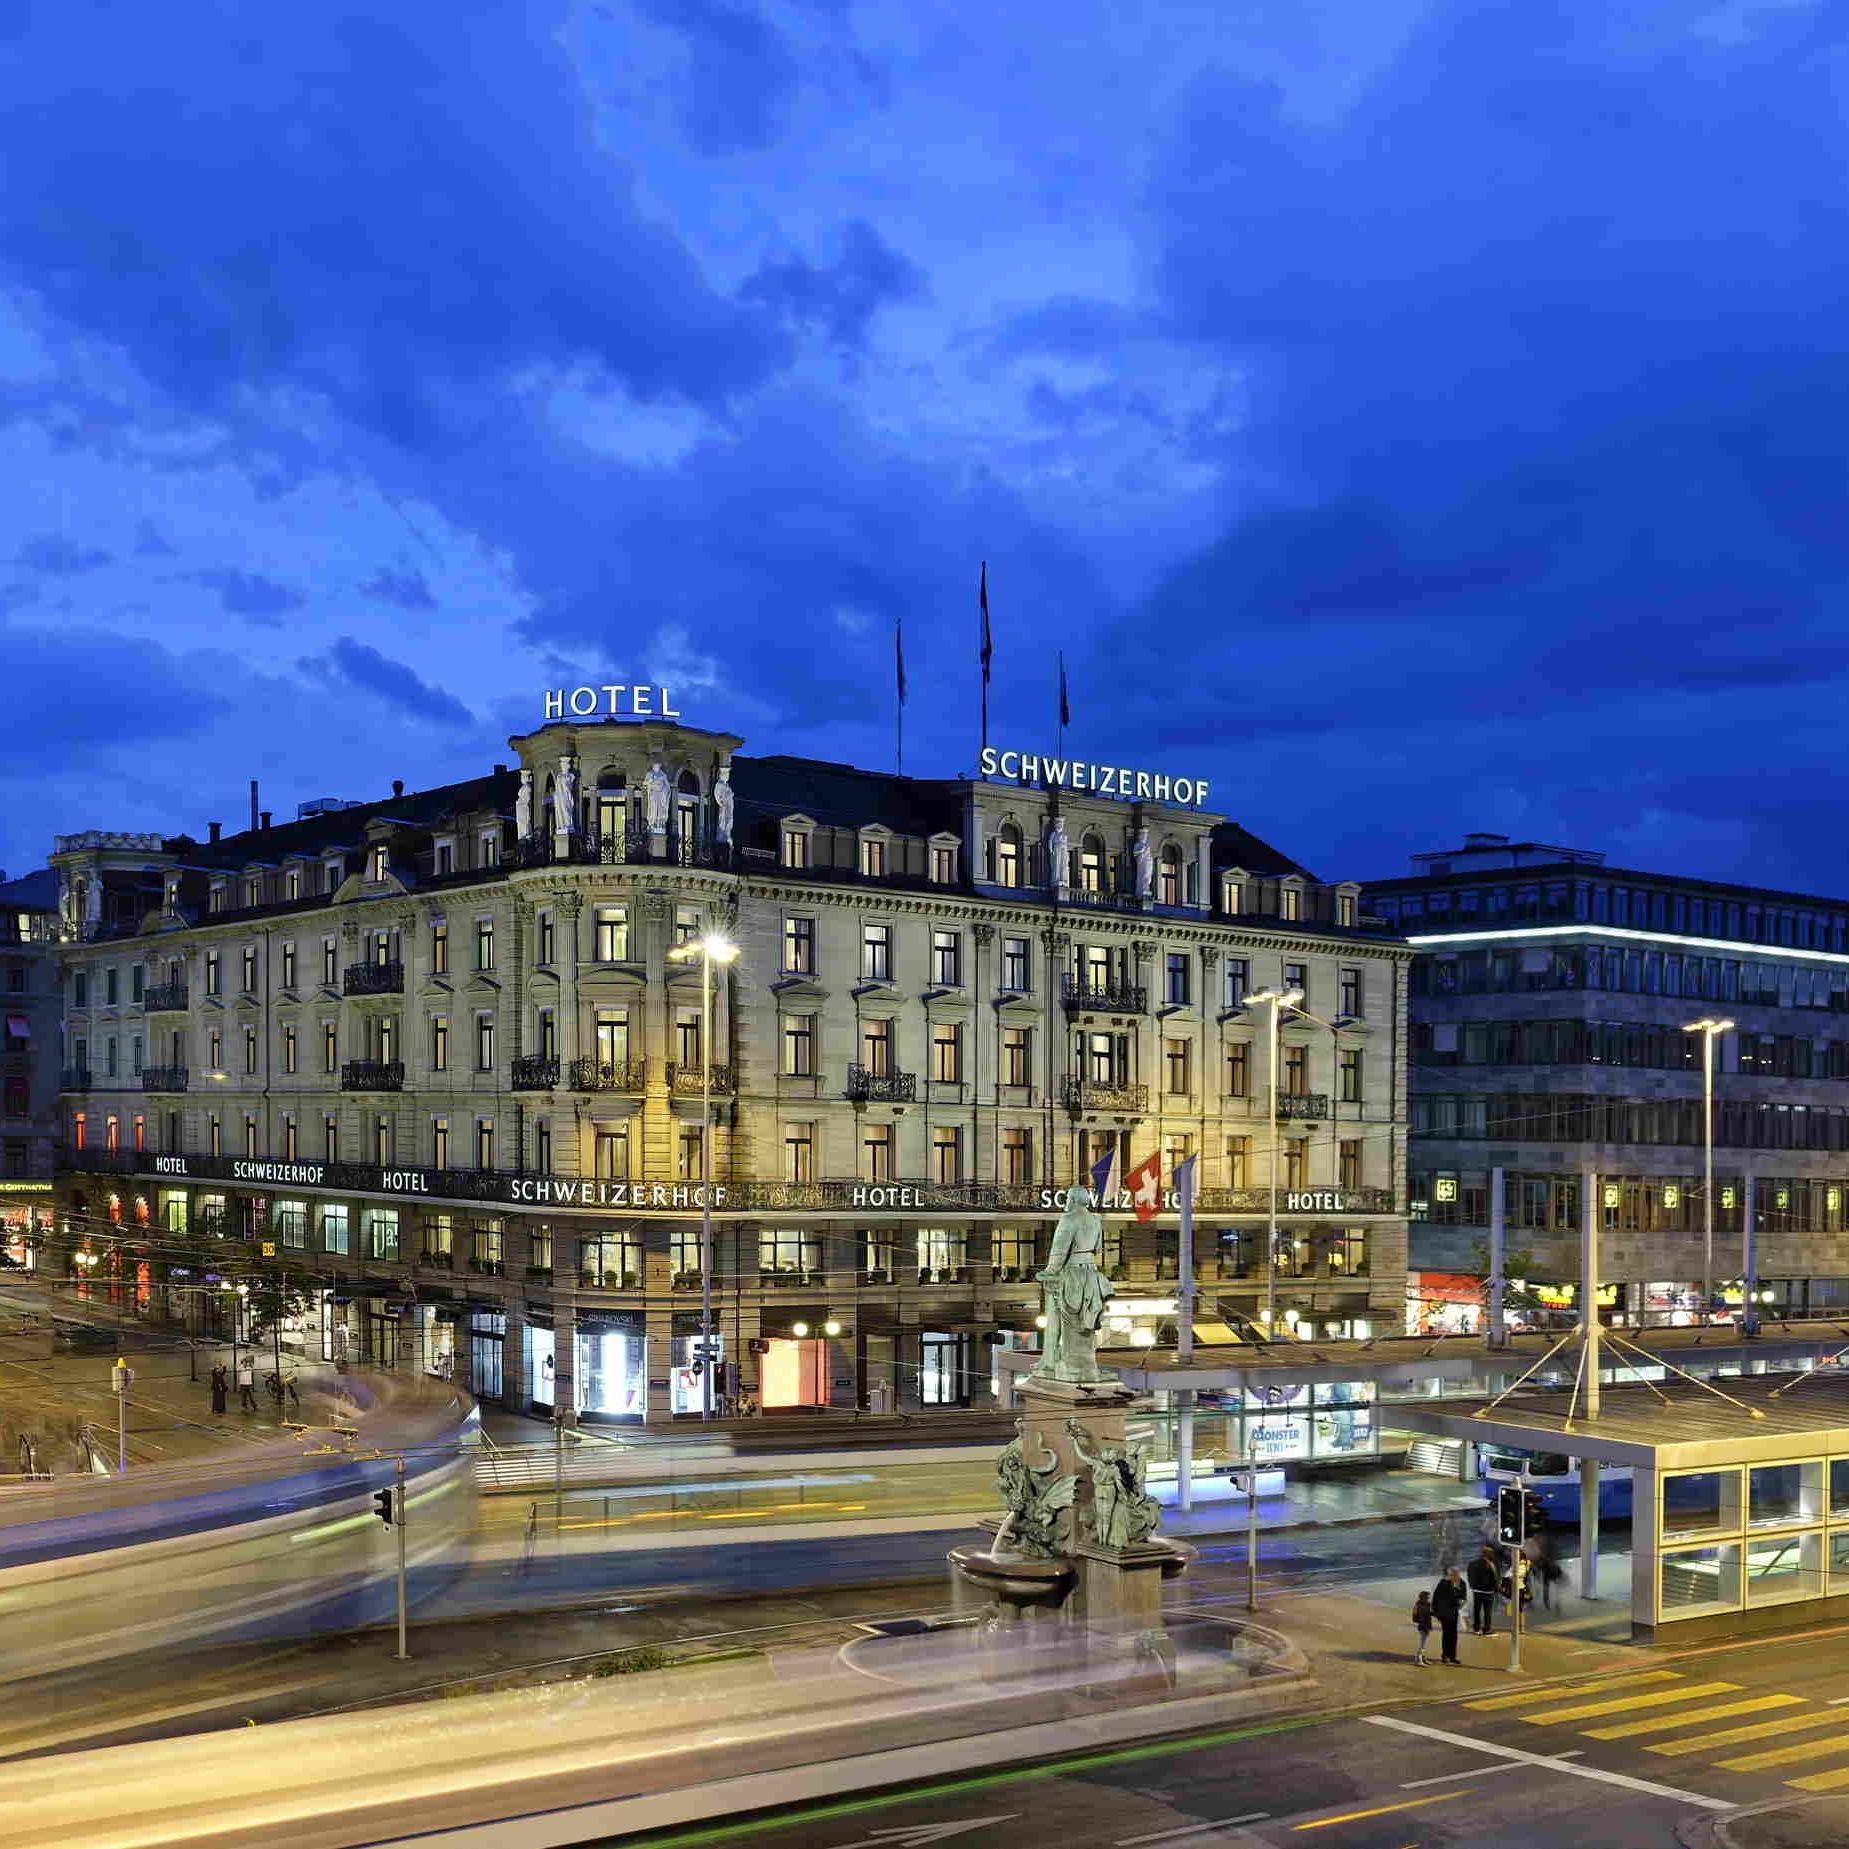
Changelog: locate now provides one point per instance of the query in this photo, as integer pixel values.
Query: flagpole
(898, 644)
(1062, 703)
(985, 654)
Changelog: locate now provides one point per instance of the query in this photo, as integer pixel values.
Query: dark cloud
(733, 92)
(841, 300)
(362, 666)
(55, 554)
(248, 594)
(406, 589)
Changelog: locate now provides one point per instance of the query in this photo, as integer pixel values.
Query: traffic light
(1534, 1516)
(1509, 1511)
(382, 1502)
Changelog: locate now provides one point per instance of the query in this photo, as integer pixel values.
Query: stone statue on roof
(1144, 856)
(565, 797)
(523, 805)
(1058, 854)
(723, 801)
(656, 796)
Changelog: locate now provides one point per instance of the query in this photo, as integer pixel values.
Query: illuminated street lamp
(1278, 1000)
(1709, 1029)
(710, 949)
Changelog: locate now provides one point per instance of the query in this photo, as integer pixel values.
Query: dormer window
(944, 866)
(1009, 869)
(1345, 908)
(445, 861)
(491, 847)
(218, 896)
(1232, 897)
(379, 860)
(250, 893)
(330, 876)
(292, 883)
(1169, 876)
(796, 847)
(872, 857)
(1290, 901)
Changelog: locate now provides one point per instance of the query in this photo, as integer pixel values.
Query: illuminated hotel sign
(1131, 786)
(620, 702)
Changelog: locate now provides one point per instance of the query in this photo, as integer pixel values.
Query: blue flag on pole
(1101, 1175)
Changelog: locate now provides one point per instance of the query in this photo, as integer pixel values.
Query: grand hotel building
(433, 1048)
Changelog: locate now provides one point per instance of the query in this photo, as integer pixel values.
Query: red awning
(1444, 1287)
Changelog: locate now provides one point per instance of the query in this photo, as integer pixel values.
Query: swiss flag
(1144, 1183)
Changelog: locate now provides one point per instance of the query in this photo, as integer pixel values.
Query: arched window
(1091, 864)
(687, 810)
(1009, 868)
(611, 797)
(1168, 877)
(546, 823)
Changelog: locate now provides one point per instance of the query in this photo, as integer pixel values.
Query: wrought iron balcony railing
(1302, 1106)
(599, 1075)
(372, 1075)
(373, 979)
(536, 1072)
(164, 1078)
(865, 1086)
(1106, 997)
(164, 998)
(75, 1078)
(1097, 1095)
(688, 1081)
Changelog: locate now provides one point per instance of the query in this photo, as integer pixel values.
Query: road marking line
(1597, 1773)
(1581, 1688)
(1820, 1781)
(1661, 1723)
(1836, 1701)
(1585, 1710)
(1786, 1723)
(1783, 1755)
(1380, 1810)
(1192, 1829)
(1445, 1778)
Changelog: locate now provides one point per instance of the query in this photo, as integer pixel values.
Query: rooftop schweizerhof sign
(1128, 785)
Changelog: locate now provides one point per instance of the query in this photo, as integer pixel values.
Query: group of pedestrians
(1478, 1589)
(274, 1384)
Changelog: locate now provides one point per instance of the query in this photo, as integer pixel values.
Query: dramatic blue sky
(1413, 415)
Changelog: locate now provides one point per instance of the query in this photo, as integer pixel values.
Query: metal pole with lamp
(710, 949)
(1279, 999)
(1707, 1027)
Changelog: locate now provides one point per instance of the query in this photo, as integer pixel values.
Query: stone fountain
(1076, 1548)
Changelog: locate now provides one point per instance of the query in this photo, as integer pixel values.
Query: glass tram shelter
(1740, 1490)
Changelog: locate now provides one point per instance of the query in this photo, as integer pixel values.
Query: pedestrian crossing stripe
(1662, 1723)
(1738, 1736)
(1821, 1781)
(1634, 1680)
(1783, 1755)
(1689, 1691)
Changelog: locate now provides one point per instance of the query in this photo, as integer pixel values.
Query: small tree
(272, 1295)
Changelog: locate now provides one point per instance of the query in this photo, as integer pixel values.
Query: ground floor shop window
(793, 1373)
(542, 1349)
(687, 1387)
(613, 1372)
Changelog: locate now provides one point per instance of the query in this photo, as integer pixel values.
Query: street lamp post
(1279, 1000)
(1709, 1029)
(710, 949)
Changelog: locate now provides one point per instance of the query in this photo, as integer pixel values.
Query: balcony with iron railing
(372, 1075)
(1302, 1106)
(602, 1075)
(165, 1078)
(865, 1086)
(1105, 997)
(689, 1081)
(1106, 1095)
(536, 1072)
(164, 998)
(75, 1078)
(373, 979)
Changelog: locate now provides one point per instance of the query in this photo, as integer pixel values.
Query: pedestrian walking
(532, 1537)
(1447, 1606)
(1422, 1623)
(1544, 1560)
(1484, 1582)
(221, 1388)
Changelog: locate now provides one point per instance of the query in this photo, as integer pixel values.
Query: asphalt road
(1606, 1762)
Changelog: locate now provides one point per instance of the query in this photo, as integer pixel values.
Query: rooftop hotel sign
(1131, 786)
(619, 702)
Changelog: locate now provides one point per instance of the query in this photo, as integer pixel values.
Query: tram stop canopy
(1738, 1523)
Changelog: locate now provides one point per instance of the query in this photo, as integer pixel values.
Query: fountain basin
(1019, 1580)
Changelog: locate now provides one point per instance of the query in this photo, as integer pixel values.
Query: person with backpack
(1422, 1623)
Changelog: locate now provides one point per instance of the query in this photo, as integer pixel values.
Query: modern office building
(30, 1009)
(1552, 1002)
(437, 1048)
